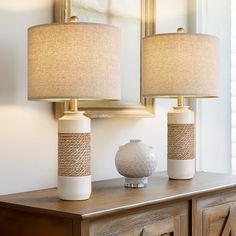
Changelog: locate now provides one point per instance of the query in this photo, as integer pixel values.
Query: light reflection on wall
(28, 158)
(24, 5)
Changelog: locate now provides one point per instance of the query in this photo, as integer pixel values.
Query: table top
(109, 196)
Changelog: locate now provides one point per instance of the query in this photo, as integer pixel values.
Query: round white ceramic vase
(136, 161)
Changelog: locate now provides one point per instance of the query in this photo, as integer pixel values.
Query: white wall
(27, 129)
(214, 115)
(28, 136)
(233, 84)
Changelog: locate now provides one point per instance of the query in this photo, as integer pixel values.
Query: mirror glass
(136, 19)
(125, 15)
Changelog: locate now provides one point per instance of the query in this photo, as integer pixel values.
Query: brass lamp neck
(74, 19)
(180, 30)
(180, 101)
(73, 105)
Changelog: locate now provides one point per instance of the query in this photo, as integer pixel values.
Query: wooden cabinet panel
(204, 205)
(15, 223)
(215, 219)
(215, 215)
(150, 221)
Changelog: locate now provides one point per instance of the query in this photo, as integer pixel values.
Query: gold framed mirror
(141, 18)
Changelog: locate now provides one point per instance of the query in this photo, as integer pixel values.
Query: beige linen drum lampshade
(73, 60)
(180, 65)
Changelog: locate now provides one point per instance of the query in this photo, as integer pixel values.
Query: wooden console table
(205, 205)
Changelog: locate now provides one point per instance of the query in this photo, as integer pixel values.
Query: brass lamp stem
(180, 101)
(73, 105)
(180, 98)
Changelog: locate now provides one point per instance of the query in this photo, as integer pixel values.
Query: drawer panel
(148, 221)
(16, 223)
(215, 215)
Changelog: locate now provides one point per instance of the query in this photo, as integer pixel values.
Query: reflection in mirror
(136, 19)
(126, 15)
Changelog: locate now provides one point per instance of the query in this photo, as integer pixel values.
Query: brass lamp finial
(74, 19)
(180, 30)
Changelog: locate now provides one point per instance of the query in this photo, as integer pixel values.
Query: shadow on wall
(109, 134)
(8, 78)
(24, 5)
(28, 131)
(16, 17)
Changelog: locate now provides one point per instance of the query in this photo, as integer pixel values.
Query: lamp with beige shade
(74, 61)
(179, 65)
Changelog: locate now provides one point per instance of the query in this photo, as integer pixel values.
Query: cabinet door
(149, 221)
(215, 215)
(17, 223)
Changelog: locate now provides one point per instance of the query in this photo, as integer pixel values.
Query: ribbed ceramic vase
(136, 161)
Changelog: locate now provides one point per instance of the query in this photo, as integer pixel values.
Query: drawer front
(215, 215)
(149, 221)
(15, 223)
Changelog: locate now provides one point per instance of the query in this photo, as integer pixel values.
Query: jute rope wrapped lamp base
(74, 171)
(181, 143)
(179, 65)
(74, 61)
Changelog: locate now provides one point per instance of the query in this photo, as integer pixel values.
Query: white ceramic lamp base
(181, 144)
(74, 171)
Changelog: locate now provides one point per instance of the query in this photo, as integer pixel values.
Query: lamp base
(181, 143)
(74, 188)
(181, 169)
(74, 168)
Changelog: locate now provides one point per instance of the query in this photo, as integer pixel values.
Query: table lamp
(74, 61)
(180, 65)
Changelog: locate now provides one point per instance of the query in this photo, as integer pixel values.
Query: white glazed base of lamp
(181, 143)
(74, 170)
(181, 169)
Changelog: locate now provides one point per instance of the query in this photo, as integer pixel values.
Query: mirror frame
(99, 109)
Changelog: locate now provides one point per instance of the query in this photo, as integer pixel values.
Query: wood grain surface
(214, 215)
(110, 196)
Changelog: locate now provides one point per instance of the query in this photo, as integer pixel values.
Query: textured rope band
(74, 154)
(181, 141)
